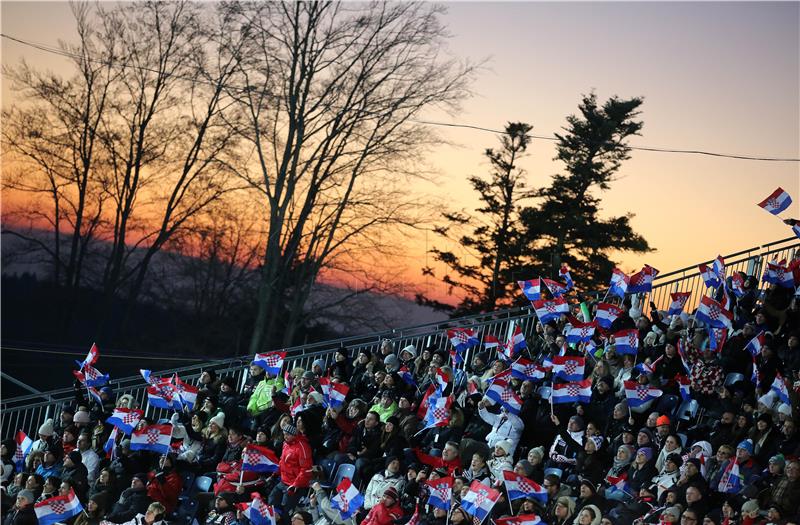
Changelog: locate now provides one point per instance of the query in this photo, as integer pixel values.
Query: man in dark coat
(133, 500)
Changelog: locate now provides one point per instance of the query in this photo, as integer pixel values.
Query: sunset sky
(720, 77)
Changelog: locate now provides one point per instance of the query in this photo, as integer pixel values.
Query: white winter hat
(316, 396)
(47, 428)
(81, 416)
(505, 445)
(218, 420)
(785, 409)
(178, 431)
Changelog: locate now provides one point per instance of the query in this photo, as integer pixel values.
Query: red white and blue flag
(779, 387)
(683, 386)
(272, 362)
(406, 375)
(638, 395)
(155, 438)
(647, 368)
(626, 341)
(564, 273)
(527, 370)
(441, 492)
(58, 508)
(163, 395)
(606, 314)
(709, 277)
(516, 343)
(24, 444)
(187, 394)
(711, 313)
(500, 392)
(296, 407)
(737, 284)
(490, 342)
(756, 344)
(679, 300)
(463, 338)
(520, 519)
(479, 500)
(555, 287)
(347, 500)
(619, 283)
(90, 376)
(718, 266)
(717, 338)
(575, 392)
(91, 357)
(548, 311)
(256, 458)
(110, 446)
(519, 487)
(337, 394)
(258, 512)
(580, 332)
(568, 367)
(532, 289)
(125, 419)
(618, 484)
(777, 201)
(731, 481)
(642, 281)
(438, 413)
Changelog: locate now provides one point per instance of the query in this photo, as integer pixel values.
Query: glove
(291, 490)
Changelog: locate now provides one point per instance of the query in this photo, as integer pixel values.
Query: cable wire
(62, 52)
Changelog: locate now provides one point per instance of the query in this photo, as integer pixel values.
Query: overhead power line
(62, 52)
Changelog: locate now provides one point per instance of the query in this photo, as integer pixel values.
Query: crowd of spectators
(672, 462)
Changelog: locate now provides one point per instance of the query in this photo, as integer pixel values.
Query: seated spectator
(390, 477)
(386, 511)
(133, 500)
(22, 513)
(165, 484)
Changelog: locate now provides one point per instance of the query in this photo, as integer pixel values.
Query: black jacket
(131, 502)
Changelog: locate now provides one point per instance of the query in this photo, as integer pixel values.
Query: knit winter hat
(598, 442)
(647, 452)
(75, 457)
(392, 493)
(750, 505)
(675, 458)
(391, 363)
(538, 451)
(81, 416)
(309, 375)
(778, 459)
(747, 445)
(675, 512)
(566, 502)
(27, 494)
(218, 420)
(504, 444)
(316, 396)
(289, 429)
(785, 409)
(47, 428)
(318, 362)
(662, 420)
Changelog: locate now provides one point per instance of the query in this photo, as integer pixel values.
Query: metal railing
(29, 411)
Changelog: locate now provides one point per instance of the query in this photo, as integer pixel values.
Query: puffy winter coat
(380, 514)
(296, 462)
(165, 487)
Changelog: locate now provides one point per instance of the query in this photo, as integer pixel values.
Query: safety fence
(29, 411)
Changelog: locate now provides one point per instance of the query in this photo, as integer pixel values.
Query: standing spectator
(295, 470)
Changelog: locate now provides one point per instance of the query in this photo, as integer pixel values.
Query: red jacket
(166, 490)
(296, 462)
(380, 514)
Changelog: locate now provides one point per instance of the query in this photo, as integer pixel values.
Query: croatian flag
(777, 201)
(258, 512)
(548, 311)
(463, 338)
(713, 314)
(771, 271)
(619, 283)
(731, 480)
(576, 392)
(406, 375)
(24, 444)
(756, 344)
(57, 509)
(709, 277)
(521, 487)
(500, 392)
(555, 287)
(618, 484)
(784, 277)
(490, 342)
(580, 332)
(532, 289)
(95, 395)
(564, 273)
(681, 354)
(438, 414)
(91, 357)
(683, 385)
(717, 338)
(296, 407)
(568, 368)
(187, 394)
(642, 281)
(155, 438)
(441, 492)
(718, 266)
(479, 500)
(163, 395)
(520, 519)
(679, 300)
(337, 394)
(737, 284)
(125, 419)
(272, 362)
(347, 499)
(626, 341)
(256, 458)
(517, 342)
(606, 314)
(648, 368)
(779, 387)
(90, 376)
(638, 395)
(111, 443)
(527, 370)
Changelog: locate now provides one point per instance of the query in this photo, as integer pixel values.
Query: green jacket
(261, 399)
(384, 413)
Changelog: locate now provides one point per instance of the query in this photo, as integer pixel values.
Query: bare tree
(331, 92)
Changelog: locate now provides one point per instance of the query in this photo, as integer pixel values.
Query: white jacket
(504, 426)
(378, 485)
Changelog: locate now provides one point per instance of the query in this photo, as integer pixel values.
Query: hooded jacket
(380, 514)
(296, 462)
(378, 485)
